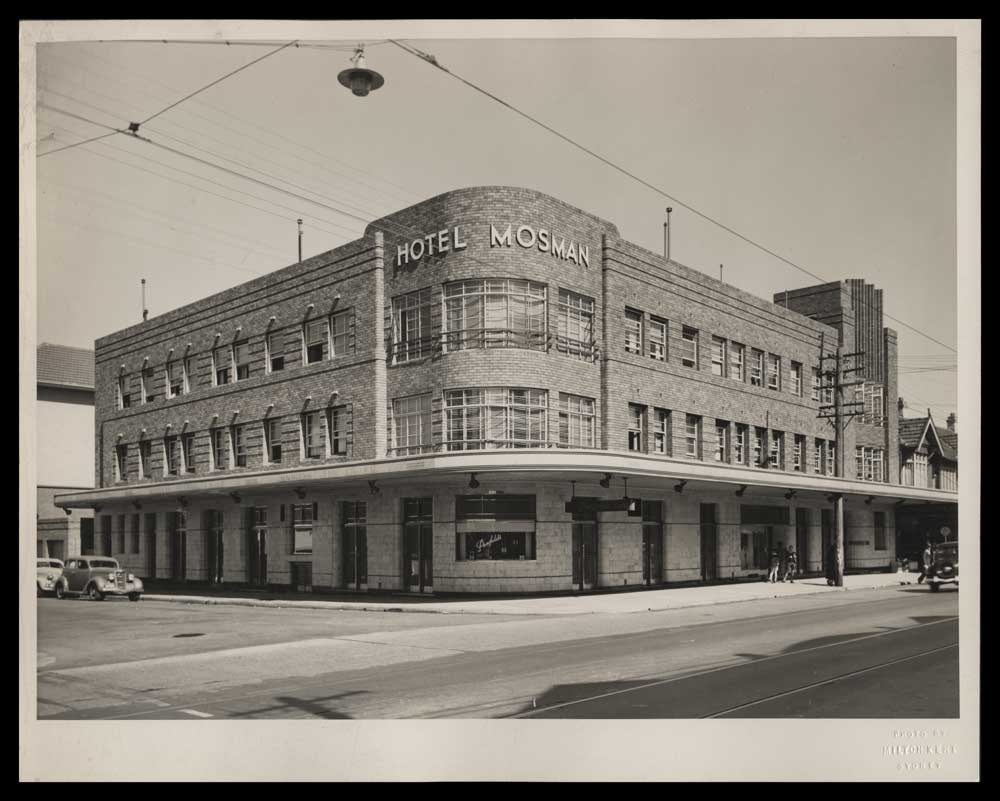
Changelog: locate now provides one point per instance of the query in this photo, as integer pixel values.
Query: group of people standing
(784, 564)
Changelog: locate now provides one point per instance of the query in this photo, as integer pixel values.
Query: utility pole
(840, 412)
(300, 240)
(666, 235)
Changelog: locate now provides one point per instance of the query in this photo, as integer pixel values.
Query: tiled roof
(64, 366)
(911, 429)
(949, 442)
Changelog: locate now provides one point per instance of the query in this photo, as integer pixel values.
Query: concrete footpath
(586, 604)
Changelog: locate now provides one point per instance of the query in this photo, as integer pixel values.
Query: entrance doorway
(178, 546)
(213, 545)
(652, 542)
(801, 539)
(585, 554)
(709, 543)
(354, 541)
(418, 544)
(826, 525)
(150, 535)
(257, 547)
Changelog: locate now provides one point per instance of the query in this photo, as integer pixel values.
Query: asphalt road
(864, 654)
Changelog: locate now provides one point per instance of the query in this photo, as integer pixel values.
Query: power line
(215, 82)
(434, 62)
(231, 43)
(76, 144)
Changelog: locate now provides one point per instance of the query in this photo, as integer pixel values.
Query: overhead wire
(430, 59)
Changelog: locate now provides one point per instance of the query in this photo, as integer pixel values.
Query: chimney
(952, 419)
(899, 405)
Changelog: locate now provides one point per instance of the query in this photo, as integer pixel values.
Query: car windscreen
(103, 563)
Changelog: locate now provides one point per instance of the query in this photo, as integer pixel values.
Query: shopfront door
(213, 528)
(354, 544)
(585, 555)
(150, 529)
(652, 554)
(257, 556)
(801, 539)
(709, 543)
(418, 544)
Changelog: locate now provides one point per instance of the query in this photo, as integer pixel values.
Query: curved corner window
(495, 313)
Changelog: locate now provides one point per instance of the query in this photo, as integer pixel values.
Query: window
(818, 456)
(689, 347)
(495, 313)
(721, 441)
(758, 447)
(718, 356)
(219, 450)
(773, 372)
(576, 421)
(831, 458)
(756, 367)
(657, 339)
(316, 341)
(176, 378)
(121, 534)
(222, 361)
(870, 464)
(880, 531)
(662, 434)
(171, 451)
(633, 331)
(636, 428)
(272, 440)
(795, 379)
(740, 444)
(871, 396)
(146, 388)
(135, 534)
(495, 417)
(239, 442)
(302, 528)
(692, 436)
(145, 453)
(340, 326)
(274, 353)
(187, 443)
(475, 540)
(799, 454)
(828, 391)
(817, 383)
(575, 334)
(241, 359)
(124, 399)
(737, 355)
(776, 455)
(121, 463)
(337, 419)
(412, 337)
(412, 426)
(312, 435)
(187, 367)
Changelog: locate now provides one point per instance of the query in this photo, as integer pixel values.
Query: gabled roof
(915, 431)
(63, 366)
(911, 431)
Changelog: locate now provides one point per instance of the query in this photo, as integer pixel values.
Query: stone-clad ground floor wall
(619, 538)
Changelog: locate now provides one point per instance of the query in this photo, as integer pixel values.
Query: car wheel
(134, 596)
(60, 591)
(95, 594)
(935, 587)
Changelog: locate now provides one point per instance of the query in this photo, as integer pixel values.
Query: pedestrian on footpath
(791, 563)
(775, 563)
(928, 557)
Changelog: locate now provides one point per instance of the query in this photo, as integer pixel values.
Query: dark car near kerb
(97, 577)
(944, 566)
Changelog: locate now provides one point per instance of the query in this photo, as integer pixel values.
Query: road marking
(829, 681)
(730, 667)
(196, 713)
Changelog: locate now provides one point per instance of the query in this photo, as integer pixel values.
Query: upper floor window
(872, 395)
(176, 378)
(222, 361)
(817, 384)
(776, 455)
(870, 464)
(740, 443)
(689, 347)
(737, 365)
(818, 455)
(799, 454)
(121, 462)
(633, 331)
(238, 437)
(124, 398)
(495, 313)
(756, 368)
(758, 447)
(576, 421)
(636, 427)
(692, 436)
(495, 417)
(272, 440)
(241, 360)
(316, 341)
(773, 372)
(274, 352)
(313, 446)
(795, 379)
(412, 337)
(146, 385)
(340, 327)
(575, 334)
(337, 426)
(831, 457)
(657, 338)
(171, 449)
(145, 459)
(412, 426)
(718, 356)
(721, 441)
(662, 432)
(187, 445)
(220, 452)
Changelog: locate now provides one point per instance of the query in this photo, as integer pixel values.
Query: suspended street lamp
(360, 80)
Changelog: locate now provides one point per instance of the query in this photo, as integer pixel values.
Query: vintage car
(97, 577)
(944, 566)
(48, 572)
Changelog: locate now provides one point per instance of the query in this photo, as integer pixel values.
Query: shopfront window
(495, 527)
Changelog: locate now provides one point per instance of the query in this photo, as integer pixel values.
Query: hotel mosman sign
(524, 236)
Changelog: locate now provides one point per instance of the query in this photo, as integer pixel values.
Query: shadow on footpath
(314, 707)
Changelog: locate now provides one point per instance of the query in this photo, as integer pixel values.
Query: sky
(839, 154)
